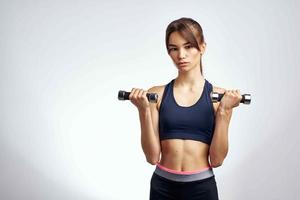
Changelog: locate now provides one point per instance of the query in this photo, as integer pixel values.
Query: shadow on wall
(19, 180)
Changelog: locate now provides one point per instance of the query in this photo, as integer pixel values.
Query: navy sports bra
(196, 122)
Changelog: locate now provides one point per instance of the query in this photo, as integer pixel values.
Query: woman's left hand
(230, 99)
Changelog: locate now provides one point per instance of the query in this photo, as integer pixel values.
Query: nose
(182, 53)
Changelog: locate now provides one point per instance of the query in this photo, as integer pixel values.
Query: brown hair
(189, 30)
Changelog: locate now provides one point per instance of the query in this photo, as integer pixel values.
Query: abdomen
(184, 155)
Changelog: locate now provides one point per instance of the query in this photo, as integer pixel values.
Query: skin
(178, 154)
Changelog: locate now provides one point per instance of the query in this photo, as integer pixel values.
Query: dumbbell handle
(123, 95)
(215, 97)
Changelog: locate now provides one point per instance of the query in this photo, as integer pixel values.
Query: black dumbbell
(123, 95)
(215, 97)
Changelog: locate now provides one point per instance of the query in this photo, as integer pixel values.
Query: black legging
(165, 189)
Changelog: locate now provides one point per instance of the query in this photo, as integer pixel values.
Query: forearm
(149, 140)
(219, 145)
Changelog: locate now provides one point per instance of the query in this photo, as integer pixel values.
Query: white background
(65, 135)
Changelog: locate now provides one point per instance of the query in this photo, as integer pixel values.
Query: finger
(144, 95)
(136, 92)
(229, 92)
(131, 93)
(140, 94)
(239, 93)
(234, 93)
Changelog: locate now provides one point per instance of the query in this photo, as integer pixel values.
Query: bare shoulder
(158, 90)
(218, 89)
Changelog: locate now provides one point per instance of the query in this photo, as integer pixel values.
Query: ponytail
(201, 66)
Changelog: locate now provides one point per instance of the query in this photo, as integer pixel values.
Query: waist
(183, 176)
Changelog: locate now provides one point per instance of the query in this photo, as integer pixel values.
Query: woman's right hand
(139, 99)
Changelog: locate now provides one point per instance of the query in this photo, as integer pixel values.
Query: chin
(185, 68)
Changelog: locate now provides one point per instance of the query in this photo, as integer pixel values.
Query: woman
(184, 134)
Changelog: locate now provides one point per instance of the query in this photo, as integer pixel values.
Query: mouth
(183, 63)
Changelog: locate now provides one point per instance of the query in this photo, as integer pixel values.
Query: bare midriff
(184, 155)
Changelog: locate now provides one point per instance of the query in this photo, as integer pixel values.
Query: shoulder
(218, 89)
(156, 89)
(159, 90)
(215, 88)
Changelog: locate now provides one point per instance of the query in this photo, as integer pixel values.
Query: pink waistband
(181, 172)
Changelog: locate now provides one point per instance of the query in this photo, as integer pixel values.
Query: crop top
(196, 122)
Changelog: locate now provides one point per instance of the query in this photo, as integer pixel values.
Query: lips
(183, 63)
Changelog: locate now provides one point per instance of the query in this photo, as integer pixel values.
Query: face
(184, 56)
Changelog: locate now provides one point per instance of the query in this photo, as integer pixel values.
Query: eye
(172, 49)
(188, 46)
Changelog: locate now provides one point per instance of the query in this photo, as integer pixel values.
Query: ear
(202, 48)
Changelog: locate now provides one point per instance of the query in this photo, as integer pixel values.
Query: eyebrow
(176, 46)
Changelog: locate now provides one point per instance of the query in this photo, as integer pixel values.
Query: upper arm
(154, 108)
(220, 91)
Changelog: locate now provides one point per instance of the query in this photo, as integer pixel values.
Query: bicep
(155, 119)
(154, 113)
(220, 91)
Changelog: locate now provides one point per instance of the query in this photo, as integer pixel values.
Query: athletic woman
(185, 134)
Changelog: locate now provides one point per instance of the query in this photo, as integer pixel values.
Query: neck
(190, 78)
